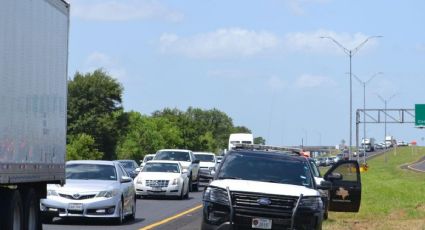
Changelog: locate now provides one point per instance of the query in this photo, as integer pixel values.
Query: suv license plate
(75, 207)
(260, 223)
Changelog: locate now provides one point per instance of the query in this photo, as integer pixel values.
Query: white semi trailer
(33, 89)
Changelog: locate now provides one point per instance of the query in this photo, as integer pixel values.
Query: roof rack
(282, 149)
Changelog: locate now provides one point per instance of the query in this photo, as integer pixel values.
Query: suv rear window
(266, 168)
(204, 158)
(172, 156)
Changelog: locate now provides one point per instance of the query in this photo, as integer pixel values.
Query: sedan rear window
(148, 158)
(129, 164)
(90, 172)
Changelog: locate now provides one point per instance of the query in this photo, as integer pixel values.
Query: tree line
(99, 128)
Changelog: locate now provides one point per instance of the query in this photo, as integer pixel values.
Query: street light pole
(364, 83)
(385, 120)
(350, 53)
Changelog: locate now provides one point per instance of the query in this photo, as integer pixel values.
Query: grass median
(392, 197)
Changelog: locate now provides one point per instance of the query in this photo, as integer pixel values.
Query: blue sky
(261, 62)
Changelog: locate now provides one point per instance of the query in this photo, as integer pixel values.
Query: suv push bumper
(223, 226)
(304, 219)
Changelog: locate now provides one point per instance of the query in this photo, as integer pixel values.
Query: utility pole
(385, 120)
(350, 53)
(364, 83)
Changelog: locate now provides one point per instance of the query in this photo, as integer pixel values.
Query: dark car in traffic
(131, 167)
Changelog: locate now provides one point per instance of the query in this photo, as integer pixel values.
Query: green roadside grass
(392, 197)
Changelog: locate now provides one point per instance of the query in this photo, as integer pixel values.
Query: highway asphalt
(152, 211)
(148, 211)
(189, 221)
(419, 166)
(192, 220)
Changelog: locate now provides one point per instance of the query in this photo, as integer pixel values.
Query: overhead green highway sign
(420, 115)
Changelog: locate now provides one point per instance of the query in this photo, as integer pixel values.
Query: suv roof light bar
(289, 150)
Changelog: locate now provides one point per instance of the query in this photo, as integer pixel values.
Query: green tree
(201, 130)
(82, 147)
(259, 141)
(94, 108)
(208, 143)
(147, 135)
(241, 129)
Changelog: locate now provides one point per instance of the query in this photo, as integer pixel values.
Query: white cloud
(313, 81)
(297, 7)
(123, 10)
(276, 83)
(98, 60)
(311, 42)
(222, 43)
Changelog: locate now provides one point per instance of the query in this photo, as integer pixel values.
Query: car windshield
(161, 167)
(204, 157)
(266, 168)
(172, 156)
(148, 158)
(128, 164)
(90, 172)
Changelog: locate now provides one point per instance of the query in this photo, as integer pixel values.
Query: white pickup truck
(188, 161)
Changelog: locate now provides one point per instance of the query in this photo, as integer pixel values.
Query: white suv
(207, 165)
(276, 190)
(187, 160)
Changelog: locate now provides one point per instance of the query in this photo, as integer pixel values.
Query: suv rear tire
(190, 183)
(195, 187)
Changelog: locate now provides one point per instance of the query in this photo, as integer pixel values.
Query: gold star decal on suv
(342, 192)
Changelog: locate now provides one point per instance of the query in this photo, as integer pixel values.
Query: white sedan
(162, 178)
(94, 189)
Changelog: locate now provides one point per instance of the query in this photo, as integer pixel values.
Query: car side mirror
(134, 174)
(195, 161)
(137, 170)
(325, 185)
(125, 179)
(184, 171)
(333, 176)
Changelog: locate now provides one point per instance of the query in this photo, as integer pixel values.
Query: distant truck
(240, 138)
(368, 144)
(33, 91)
(390, 141)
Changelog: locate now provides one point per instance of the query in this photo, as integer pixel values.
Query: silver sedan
(95, 189)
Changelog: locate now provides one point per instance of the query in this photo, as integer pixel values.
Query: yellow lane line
(169, 219)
